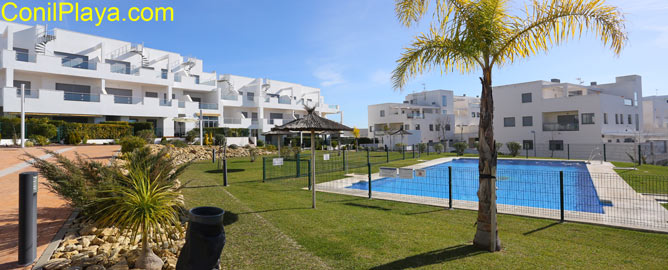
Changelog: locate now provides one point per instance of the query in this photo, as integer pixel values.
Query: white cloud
(328, 76)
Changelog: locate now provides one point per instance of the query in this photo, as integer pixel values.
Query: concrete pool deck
(624, 206)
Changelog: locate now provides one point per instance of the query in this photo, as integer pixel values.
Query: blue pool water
(529, 183)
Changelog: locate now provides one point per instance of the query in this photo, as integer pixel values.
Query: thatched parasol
(280, 137)
(312, 122)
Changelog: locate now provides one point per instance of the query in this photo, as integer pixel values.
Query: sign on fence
(405, 173)
(388, 172)
(325, 157)
(277, 161)
(409, 148)
(420, 173)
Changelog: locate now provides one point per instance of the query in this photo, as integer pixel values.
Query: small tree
(356, 134)
(460, 147)
(438, 148)
(514, 148)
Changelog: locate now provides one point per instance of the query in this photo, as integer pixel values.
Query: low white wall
(99, 141)
(240, 141)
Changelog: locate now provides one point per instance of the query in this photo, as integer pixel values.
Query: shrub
(399, 146)
(498, 146)
(40, 140)
(84, 139)
(73, 138)
(97, 131)
(335, 144)
(460, 147)
(260, 143)
(41, 127)
(219, 139)
(178, 143)
(438, 148)
(234, 146)
(270, 147)
(29, 143)
(147, 134)
(514, 148)
(422, 147)
(286, 151)
(163, 140)
(130, 143)
(140, 126)
(191, 135)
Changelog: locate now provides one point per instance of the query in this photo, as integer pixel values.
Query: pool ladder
(595, 152)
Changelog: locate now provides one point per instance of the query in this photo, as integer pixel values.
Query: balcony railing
(28, 93)
(130, 70)
(254, 121)
(72, 96)
(415, 116)
(236, 121)
(182, 104)
(230, 97)
(127, 99)
(26, 57)
(561, 127)
(208, 106)
(166, 103)
(79, 63)
(334, 107)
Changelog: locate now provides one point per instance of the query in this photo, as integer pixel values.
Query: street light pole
(23, 116)
(201, 128)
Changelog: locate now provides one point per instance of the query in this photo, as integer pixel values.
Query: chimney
(555, 80)
(592, 83)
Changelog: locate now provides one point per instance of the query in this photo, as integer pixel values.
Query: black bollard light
(27, 217)
(205, 239)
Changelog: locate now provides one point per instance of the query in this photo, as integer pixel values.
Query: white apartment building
(85, 78)
(467, 119)
(556, 113)
(428, 116)
(655, 113)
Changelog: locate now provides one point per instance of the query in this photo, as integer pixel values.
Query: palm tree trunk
(487, 234)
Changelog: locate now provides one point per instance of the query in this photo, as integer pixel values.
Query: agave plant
(144, 201)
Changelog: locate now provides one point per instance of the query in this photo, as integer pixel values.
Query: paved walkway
(52, 211)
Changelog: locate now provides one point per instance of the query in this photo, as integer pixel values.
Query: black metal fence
(630, 200)
(644, 153)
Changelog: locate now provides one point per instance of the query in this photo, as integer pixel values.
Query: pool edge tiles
(522, 183)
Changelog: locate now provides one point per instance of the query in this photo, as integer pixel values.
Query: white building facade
(555, 114)
(84, 78)
(467, 119)
(655, 114)
(428, 116)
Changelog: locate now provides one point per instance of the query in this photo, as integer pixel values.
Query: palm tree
(469, 34)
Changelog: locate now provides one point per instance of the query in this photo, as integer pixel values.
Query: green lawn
(646, 179)
(271, 226)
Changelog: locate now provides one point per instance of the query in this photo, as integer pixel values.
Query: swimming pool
(530, 183)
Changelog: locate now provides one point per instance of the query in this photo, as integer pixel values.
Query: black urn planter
(205, 239)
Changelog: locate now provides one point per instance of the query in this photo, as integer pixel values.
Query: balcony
(561, 127)
(276, 122)
(118, 99)
(26, 57)
(130, 70)
(28, 93)
(79, 63)
(166, 103)
(333, 107)
(232, 121)
(208, 106)
(84, 97)
(230, 97)
(182, 104)
(415, 116)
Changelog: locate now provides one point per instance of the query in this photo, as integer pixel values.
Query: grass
(271, 226)
(646, 179)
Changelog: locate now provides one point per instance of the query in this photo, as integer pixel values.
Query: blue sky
(348, 48)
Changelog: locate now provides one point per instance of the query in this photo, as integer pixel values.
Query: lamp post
(23, 116)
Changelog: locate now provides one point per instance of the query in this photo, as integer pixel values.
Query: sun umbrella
(312, 122)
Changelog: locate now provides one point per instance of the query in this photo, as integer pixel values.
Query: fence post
(527, 153)
(427, 149)
(605, 156)
(309, 174)
(387, 155)
(345, 167)
(264, 169)
(403, 151)
(639, 155)
(225, 171)
(299, 168)
(561, 194)
(413, 149)
(568, 151)
(450, 186)
(213, 155)
(368, 165)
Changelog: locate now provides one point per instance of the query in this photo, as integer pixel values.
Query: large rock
(86, 239)
(122, 265)
(95, 267)
(57, 264)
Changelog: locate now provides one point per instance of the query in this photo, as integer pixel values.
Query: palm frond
(552, 22)
(430, 51)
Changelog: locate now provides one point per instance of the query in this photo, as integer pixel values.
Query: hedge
(98, 131)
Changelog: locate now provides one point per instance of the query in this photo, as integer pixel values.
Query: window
(121, 96)
(628, 102)
(417, 126)
(444, 100)
(473, 114)
(616, 119)
(163, 73)
(509, 121)
(73, 60)
(407, 127)
(245, 114)
(605, 118)
(621, 118)
(556, 145)
(637, 123)
(527, 144)
(526, 98)
(447, 127)
(22, 54)
(196, 78)
(370, 128)
(431, 127)
(254, 116)
(630, 122)
(76, 92)
(587, 118)
(196, 99)
(250, 96)
(527, 121)
(444, 112)
(151, 94)
(26, 85)
(210, 121)
(382, 113)
(118, 66)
